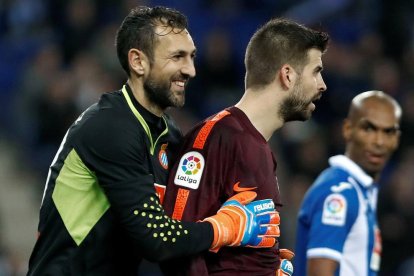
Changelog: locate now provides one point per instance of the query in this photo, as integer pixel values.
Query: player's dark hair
(138, 30)
(280, 41)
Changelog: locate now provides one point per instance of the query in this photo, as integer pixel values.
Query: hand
(241, 222)
(286, 267)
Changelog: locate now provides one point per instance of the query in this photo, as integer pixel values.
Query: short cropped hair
(280, 41)
(138, 30)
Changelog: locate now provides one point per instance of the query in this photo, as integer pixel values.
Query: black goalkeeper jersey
(100, 212)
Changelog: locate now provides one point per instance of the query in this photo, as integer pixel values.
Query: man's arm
(321, 267)
(117, 159)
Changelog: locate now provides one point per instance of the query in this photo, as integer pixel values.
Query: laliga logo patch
(334, 205)
(334, 210)
(191, 165)
(190, 170)
(162, 156)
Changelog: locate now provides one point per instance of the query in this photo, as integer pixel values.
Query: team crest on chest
(162, 156)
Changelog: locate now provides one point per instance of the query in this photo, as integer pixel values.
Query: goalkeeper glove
(286, 267)
(241, 222)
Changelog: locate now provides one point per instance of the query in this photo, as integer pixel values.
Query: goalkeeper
(100, 213)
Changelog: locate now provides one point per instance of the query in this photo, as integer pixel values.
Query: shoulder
(227, 124)
(108, 126)
(223, 121)
(333, 180)
(334, 195)
(332, 185)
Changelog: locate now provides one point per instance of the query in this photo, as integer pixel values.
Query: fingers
(286, 254)
(271, 217)
(286, 268)
(264, 242)
(269, 230)
(244, 197)
(269, 224)
(274, 218)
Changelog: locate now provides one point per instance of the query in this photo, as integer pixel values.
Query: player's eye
(368, 128)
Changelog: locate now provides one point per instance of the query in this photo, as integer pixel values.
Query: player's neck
(139, 94)
(261, 111)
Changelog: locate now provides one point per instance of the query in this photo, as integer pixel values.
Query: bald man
(337, 227)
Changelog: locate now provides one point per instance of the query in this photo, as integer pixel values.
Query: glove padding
(286, 267)
(241, 222)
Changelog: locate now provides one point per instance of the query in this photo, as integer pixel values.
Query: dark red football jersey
(223, 150)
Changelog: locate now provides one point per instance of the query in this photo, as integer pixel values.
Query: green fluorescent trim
(143, 122)
(78, 197)
(162, 134)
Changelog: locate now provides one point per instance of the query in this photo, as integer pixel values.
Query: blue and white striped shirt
(337, 220)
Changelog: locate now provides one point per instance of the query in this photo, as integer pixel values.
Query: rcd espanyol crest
(162, 156)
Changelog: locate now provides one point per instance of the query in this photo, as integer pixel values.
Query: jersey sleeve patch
(190, 170)
(334, 210)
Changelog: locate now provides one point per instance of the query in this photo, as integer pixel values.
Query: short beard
(294, 108)
(160, 94)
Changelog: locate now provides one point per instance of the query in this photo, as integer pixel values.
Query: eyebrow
(366, 122)
(183, 52)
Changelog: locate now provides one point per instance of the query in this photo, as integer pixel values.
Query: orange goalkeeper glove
(241, 222)
(286, 267)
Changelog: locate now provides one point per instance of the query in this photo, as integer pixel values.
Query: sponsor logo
(286, 266)
(191, 165)
(334, 210)
(335, 205)
(162, 156)
(264, 207)
(190, 170)
(340, 187)
(238, 189)
(187, 179)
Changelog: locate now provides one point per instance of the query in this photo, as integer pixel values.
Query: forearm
(192, 238)
(152, 232)
(321, 267)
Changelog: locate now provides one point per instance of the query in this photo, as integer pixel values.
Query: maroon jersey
(223, 155)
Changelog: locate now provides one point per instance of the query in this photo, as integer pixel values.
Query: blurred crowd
(58, 57)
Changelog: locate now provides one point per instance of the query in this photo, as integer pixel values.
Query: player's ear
(138, 61)
(347, 129)
(287, 76)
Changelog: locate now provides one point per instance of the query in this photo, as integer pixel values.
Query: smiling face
(372, 134)
(171, 69)
(308, 88)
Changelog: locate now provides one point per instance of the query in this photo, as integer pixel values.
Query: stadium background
(57, 57)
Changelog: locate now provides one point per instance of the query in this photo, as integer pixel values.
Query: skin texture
(288, 97)
(161, 84)
(371, 132)
(307, 89)
(321, 267)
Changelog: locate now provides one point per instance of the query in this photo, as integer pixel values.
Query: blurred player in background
(100, 213)
(229, 152)
(337, 224)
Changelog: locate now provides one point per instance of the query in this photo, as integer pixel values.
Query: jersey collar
(129, 99)
(350, 166)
